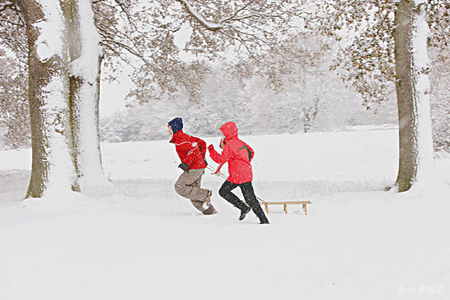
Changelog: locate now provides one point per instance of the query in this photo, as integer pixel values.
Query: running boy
(191, 151)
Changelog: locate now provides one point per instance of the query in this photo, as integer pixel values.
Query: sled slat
(285, 204)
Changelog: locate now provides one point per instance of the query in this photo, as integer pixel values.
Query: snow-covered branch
(131, 50)
(208, 25)
(12, 29)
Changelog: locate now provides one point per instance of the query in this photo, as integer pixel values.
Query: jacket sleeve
(201, 146)
(221, 158)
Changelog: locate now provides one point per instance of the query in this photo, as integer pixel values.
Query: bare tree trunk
(412, 84)
(52, 166)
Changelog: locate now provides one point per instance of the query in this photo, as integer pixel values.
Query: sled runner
(285, 204)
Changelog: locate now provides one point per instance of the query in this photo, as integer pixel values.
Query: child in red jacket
(191, 151)
(238, 155)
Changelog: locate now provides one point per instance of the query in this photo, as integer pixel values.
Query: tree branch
(233, 17)
(7, 5)
(193, 13)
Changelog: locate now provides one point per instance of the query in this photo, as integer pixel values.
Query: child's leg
(188, 185)
(225, 192)
(250, 198)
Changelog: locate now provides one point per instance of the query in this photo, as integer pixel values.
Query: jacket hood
(229, 130)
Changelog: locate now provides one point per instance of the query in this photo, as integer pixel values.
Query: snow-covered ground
(137, 239)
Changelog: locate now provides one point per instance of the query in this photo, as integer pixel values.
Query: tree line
(308, 98)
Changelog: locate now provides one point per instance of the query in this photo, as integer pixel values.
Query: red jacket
(190, 149)
(237, 153)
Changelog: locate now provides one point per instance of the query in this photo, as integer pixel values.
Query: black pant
(249, 196)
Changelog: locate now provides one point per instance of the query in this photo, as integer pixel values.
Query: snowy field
(137, 239)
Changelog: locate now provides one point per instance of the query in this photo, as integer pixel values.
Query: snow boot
(260, 214)
(244, 213)
(210, 211)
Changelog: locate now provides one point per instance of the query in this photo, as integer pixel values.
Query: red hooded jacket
(237, 153)
(190, 149)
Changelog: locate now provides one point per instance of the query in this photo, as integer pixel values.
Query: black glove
(183, 166)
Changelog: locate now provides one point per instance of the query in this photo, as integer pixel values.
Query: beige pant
(188, 186)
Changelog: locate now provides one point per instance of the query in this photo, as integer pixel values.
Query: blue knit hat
(176, 125)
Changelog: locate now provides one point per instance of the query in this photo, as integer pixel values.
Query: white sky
(112, 95)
